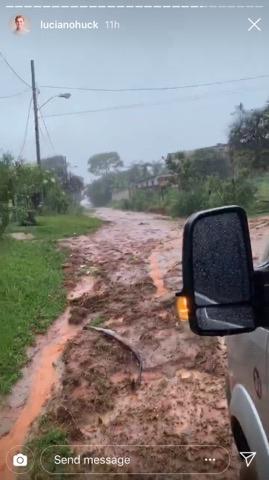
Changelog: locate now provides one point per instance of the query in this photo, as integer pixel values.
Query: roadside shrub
(56, 201)
(75, 209)
(233, 191)
(124, 204)
(142, 201)
(187, 202)
(213, 192)
(25, 217)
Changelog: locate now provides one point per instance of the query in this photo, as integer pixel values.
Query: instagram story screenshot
(134, 240)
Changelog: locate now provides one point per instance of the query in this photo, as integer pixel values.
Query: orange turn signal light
(182, 308)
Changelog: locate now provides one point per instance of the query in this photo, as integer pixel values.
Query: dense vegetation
(204, 178)
(26, 189)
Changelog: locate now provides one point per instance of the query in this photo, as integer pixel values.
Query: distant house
(222, 148)
(160, 181)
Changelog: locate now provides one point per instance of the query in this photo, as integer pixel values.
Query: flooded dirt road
(124, 278)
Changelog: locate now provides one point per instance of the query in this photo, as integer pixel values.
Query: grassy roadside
(31, 286)
(60, 226)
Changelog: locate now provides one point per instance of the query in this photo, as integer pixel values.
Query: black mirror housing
(218, 276)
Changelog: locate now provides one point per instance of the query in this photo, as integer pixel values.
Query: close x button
(254, 24)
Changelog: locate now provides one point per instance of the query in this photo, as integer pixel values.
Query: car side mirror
(218, 277)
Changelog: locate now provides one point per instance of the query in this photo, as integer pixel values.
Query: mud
(136, 263)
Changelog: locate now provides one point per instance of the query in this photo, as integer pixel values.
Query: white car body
(248, 394)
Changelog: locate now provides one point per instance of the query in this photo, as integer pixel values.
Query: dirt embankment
(135, 260)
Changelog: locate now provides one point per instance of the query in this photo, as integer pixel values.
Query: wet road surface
(124, 278)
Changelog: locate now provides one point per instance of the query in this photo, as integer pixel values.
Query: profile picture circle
(20, 24)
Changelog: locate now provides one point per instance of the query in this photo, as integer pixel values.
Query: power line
(15, 94)
(26, 128)
(139, 105)
(44, 138)
(105, 109)
(42, 133)
(14, 71)
(164, 88)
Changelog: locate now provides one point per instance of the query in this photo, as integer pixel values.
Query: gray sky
(153, 48)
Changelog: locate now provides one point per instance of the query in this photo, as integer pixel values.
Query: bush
(187, 202)
(124, 204)
(213, 192)
(56, 201)
(143, 201)
(238, 191)
(140, 200)
(23, 216)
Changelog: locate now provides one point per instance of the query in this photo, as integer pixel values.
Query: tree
(183, 166)
(100, 192)
(74, 186)
(211, 161)
(249, 138)
(174, 161)
(58, 165)
(104, 163)
(76, 183)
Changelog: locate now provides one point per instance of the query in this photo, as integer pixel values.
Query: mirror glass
(221, 270)
(222, 318)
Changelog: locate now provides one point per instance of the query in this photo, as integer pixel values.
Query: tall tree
(75, 186)
(104, 163)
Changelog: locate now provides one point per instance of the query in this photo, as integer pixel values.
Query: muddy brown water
(136, 263)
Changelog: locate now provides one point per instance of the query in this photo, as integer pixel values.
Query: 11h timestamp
(112, 25)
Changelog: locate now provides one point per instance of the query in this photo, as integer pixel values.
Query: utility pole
(38, 158)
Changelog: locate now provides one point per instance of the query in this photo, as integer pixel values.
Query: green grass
(262, 184)
(60, 226)
(97, 322)
(261, 206)
(49, 435)
(31, 286)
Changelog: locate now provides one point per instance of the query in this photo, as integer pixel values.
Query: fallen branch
(110, 333)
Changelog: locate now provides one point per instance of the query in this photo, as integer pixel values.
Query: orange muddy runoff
(156, 275)
(44, 378)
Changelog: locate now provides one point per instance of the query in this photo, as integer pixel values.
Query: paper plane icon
(248, 457)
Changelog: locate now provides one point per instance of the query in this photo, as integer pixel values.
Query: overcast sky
(152, 48)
